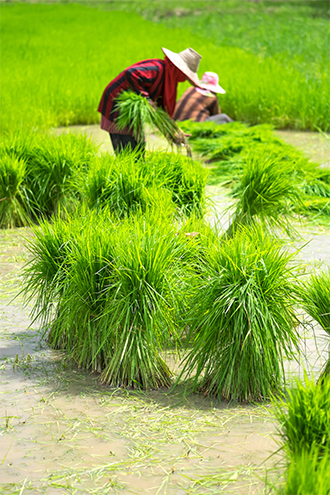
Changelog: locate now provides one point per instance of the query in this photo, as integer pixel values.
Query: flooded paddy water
(61, 432)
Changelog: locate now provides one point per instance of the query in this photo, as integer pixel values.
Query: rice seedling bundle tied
(315, 299)
(136, 112)
(43, 175)
(242, 321)
(108, 293)
(271, 180)
(303, 414)
(13, 212)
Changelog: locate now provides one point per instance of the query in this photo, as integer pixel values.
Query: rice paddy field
(164, 322)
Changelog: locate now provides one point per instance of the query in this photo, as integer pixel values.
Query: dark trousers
(120, 142)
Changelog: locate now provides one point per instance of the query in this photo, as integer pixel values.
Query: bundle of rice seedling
(108, 293)
(304, 417)
(13, 204)
(84, 317)
(54, 171)
(150, 287)
(53, 167)
(185, 180)
(315, 299)
(45, 276)
(136, 112)
(305, 474)
(303, 414)
(121, 185)
(242, 321)
(265, 192)
(218, 142)
(127, 186)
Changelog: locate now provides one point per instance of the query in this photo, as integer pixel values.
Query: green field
(57, 59)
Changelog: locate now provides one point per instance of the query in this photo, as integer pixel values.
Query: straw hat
(187, 61)
(210, 82)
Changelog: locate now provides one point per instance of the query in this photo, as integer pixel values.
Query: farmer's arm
(141, 78)
(214, 108)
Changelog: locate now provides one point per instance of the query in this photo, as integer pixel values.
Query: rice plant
(13, 210)
(265, 192)
(145, 306)
(53, 167)
(108, 293)
(230, 147)
(126, 185)
(315, 300)
(305, 474)
(222, 141)
(304, 417)
(136, 112)
(45, 275)
(184, 179)
(242, 321)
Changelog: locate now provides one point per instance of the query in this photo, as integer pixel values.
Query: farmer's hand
(152, 104)
(181, 138)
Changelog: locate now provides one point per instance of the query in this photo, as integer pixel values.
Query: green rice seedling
(19, 144)
(114, 183)
(84, 317)
(304, 417)
(307, 474)
(315, 300)
(54, 171)
(45, 275)
(211, 130)
(136, 112)
(219, 142)
(13, 212)
(107, 292)
(53, 168)
(265, 192)
(145, 307)
(126, 185)
(123, 185)
(185, 180)
(242, 321)
(304, 474)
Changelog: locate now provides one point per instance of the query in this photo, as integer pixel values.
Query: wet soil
(61, 432)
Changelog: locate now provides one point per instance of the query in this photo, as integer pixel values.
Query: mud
(61, 432)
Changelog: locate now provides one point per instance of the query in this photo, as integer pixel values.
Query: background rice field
(57, 59)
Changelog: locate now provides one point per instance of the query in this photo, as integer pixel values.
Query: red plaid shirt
(145, 78)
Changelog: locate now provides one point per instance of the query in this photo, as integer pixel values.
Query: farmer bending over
(201, 105)
(155, 79)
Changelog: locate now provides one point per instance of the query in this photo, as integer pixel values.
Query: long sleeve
(142, 79)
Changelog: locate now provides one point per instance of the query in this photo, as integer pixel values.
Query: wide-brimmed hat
(187, 61)
(210, 82)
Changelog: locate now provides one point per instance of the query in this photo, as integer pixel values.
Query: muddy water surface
(61, 432)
